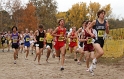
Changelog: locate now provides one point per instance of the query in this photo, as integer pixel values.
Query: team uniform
(3, 39)
(60, 40)
(88, 46)
(49, 39)
(40, 39)
(27, 40)
(15, 41)
(100, 32)
(73, 41)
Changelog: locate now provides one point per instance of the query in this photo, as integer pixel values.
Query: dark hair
(60, 20)
(83, 22)
(14, 27)
(40, 26)
(99, 12)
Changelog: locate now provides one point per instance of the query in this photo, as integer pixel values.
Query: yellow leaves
(113, 48)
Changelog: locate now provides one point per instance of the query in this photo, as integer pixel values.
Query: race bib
(49, 41)
(41, 39)
(89, 41)
(101, 33)
(14, 40)
(27, 39)
(61, 39)
(74, 40)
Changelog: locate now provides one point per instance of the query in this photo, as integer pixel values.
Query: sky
(116, 5)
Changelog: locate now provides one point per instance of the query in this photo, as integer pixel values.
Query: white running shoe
(14, 62)
(87, 70)
(91, 70)
(94, 61)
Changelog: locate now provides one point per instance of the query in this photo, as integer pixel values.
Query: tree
(28, 18)
(46, 12)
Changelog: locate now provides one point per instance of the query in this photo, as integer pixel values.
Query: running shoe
(62, 69)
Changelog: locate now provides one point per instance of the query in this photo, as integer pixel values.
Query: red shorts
(72, 44)
(58, 45)
(88, 47)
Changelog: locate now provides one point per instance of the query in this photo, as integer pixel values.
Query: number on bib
(27, 39)
(61, 39)
(41, 39)
(89, 41)
(14, 40)
(49, 41)
(101, 33)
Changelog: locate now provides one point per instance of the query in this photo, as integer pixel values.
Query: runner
(73, 42)
(21, 41)
(8, 35)
(15, 42)
(81, 40)
(26, 43)
(49, 40)
(60, 34)
(101, 26)
(40, 38)
(3, 39)
(88, 46)
(32, 41)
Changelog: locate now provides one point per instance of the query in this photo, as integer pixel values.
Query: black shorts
(49, 44)
(100, 41)
(15, 46)
(40, 45)
(2, 42)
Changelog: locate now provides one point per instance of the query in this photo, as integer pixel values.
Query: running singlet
(73, 39)
(40, 37)
(61, 32)
(27, 38)
(87, 35)
(3, 38)
(49, 38)
(15, 38)
(100, 29)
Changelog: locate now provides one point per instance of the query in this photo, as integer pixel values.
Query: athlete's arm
(79, 30)
(54, 32)
(107, 27)
(35, 34)
(88, 28)
(82, 38)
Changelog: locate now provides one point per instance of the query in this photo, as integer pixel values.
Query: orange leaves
(28, 18)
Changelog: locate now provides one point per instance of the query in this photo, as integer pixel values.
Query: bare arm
(88, 29)
(54, 32)
(107, 27)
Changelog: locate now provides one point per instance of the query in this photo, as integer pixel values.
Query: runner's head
(31, 32)
(14, 29)
(101, 14)
(73, 29)
(88, 23)
(61, 22)
(40, 27)
(83, 24)
(26, 30)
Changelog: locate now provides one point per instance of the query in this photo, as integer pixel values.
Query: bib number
(49, 41)
(89, 41)
(14, 40)
(27, 39)
(101, 33)
(61, 39)
(41, 39)
(74, 40)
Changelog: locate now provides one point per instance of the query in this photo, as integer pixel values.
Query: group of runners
(87, 40)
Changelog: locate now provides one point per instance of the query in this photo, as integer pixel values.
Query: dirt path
(28, 69)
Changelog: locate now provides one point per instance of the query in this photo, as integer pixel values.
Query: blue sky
(116, 5)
